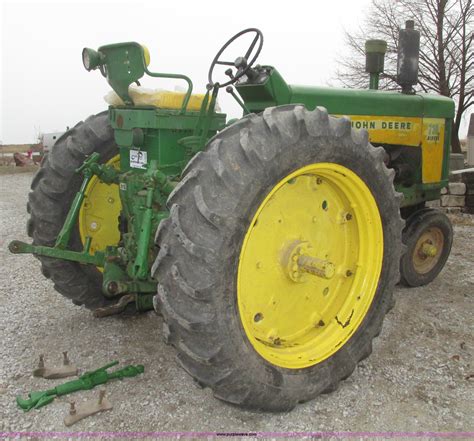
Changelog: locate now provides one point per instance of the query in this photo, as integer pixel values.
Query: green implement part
(87, 381)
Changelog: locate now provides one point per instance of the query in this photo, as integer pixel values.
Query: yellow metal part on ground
(309, 265)
(98, 216)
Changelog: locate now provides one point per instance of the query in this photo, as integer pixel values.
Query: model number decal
(138, 159)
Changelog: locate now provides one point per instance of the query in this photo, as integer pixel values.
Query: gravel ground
(419, 378)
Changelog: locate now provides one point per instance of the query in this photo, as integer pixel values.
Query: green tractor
(270, 244)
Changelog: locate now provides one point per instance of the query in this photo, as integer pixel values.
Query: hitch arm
(62, 240)
(97, 259)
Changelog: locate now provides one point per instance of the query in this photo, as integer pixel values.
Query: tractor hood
(270, 89)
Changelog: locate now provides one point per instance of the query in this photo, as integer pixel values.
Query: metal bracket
(87, 409)
(66, 370)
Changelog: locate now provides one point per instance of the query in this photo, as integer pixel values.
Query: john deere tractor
(270, 244)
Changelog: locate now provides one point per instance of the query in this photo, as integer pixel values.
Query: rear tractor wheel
(52, 193)
(279, 258)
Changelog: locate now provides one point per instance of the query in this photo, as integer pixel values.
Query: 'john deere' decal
(427, 133)
(390, 129)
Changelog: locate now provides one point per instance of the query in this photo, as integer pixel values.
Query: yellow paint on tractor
(98, 216)
(309, 265)
(396, 130)
(427, 133)
(432, 149)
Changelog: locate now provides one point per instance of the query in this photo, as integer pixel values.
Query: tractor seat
(164, 99)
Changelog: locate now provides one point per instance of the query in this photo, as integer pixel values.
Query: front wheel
(428, 237)
(279, 258)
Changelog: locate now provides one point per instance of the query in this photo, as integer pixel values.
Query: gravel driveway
(419, 377)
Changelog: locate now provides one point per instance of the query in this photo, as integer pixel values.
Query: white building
(49, 139)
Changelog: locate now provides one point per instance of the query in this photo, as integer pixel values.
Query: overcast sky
(45, 87)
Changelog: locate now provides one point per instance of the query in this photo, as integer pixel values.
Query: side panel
(432, 149)
(427, 133)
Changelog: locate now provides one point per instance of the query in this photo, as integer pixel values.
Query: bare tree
(446, 49)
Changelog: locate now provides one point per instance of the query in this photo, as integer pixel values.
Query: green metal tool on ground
(85, 382)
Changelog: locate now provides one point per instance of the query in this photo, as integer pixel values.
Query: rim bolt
(258, 265)
(319, 181)
(348, 216)
(110, 200)
(349, 273)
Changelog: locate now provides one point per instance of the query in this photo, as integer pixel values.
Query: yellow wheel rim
(98, 216)
(309, 265)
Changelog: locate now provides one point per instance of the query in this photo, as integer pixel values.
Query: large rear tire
(264, 341)
(52, 192)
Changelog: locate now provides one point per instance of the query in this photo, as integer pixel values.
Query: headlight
(90, 58)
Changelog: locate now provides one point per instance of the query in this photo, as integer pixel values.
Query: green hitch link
(86, 381)
(140, 266)
(165, 185)
(64, 236)
(97, 259)
(156, 178)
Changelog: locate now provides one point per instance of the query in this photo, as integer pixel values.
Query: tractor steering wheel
(242, 64)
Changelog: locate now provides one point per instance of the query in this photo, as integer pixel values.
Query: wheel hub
(301, 262)
(427, 251)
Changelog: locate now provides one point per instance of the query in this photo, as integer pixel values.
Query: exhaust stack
(408, 56)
